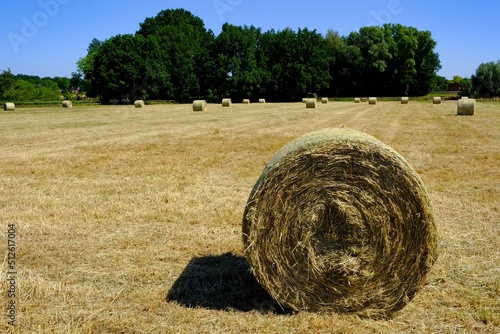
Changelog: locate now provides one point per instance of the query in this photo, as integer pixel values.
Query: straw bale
(9, 106)
(139, 104)
(311, 103)
(227, 102)
(199, 105)
(466, 107)
(339, 221)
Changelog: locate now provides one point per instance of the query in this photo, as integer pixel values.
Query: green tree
(22, 90)
(128, 67)
(486, 81)
(6, 80)
(185, 43)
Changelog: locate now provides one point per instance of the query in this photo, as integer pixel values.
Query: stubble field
(129, 220)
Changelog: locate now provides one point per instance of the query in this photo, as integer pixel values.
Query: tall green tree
(486, 81)
(185, 43)
(128, 67)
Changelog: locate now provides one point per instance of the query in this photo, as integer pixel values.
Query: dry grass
(116, 210)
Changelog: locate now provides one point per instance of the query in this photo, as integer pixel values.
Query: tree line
(174, 57)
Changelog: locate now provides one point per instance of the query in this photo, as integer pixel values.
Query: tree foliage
(486, 81)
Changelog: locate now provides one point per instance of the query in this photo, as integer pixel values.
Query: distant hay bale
(357, 100)
(139, 104)
(466, 107)
(304, 100)
(311, 103)
(262, 100)
(339, 221)
(364, 99)
(372, 100)
(67, 104)
(227, 102)
(246, 101)
(324, 100)
(199, 105)
(9, 106)
(464, 97)
(436, 100)
(405, 99)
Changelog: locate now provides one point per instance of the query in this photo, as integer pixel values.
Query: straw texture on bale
(139, 104)
(311, 103)
(227, 102)
(372, 100)
(199, 105)
(9, 106)
(262, 100)
(436, 100)
(324, 100)
(466, 107)
(357, 100)
(405, 100)
(246, 101)
(339, 221)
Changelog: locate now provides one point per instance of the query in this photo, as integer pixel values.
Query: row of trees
(23, 87)
(173, 56)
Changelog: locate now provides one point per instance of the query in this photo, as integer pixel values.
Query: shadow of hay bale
(221, 282)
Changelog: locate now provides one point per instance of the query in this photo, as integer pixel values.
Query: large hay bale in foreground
(405, 100)
(339, 221)
(311, 103)
(436, 100)
(9, 106)
(372, 100)
(199, 105)
(139, 103)
(466, 107)
(227, 102)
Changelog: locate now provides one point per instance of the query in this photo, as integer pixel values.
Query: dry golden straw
(436, 100)
(339, 221)
(8, 106)
(227, 102)
(199, 105)
(324, 100)
(466, 107)
(311, 103)
(139, 104)
(67, 104)
(405, 100)
(372, 100)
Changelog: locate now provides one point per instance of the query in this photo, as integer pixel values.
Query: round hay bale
(436, 100)
(405, 100)
(262, 100)
(227, 102)
(372, 100)
(339, 221)
(324, 100)
(67, 104)
(364, 99)
(8, 106)
(139, 104)
(246, 101)
(357, 100)
(464, 97)
(304, 99)
(311, 103)
(199, 105)
(466, 107)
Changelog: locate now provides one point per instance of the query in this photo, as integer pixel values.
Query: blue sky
(47, 37)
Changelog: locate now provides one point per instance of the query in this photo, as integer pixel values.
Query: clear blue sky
(47, 37)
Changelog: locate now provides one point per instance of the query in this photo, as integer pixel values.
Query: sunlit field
(129, 220)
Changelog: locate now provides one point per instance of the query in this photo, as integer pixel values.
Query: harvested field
(131, 222)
